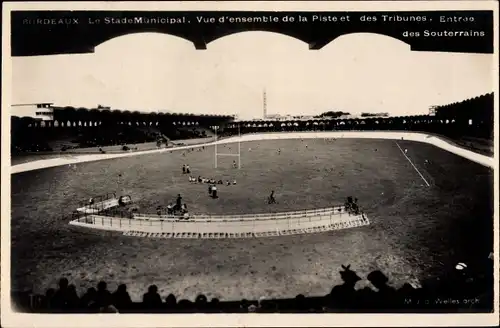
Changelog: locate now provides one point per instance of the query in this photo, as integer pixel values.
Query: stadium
(330, 212)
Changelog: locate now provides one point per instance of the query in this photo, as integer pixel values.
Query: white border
(10, 319)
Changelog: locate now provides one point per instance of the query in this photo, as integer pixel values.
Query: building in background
(40, 112)
(432, 110)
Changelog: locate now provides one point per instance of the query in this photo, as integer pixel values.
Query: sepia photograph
(250, 159)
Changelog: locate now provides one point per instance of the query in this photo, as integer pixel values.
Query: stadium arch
(115, 35)
(380, 36)
(75, 40)
(223, 35)
(203, 42)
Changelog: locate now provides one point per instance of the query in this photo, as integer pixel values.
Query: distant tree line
(333, 114)
(374, 114)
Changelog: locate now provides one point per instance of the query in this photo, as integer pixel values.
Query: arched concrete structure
(322, 28)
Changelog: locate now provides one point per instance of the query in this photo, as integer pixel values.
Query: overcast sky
(156, 72)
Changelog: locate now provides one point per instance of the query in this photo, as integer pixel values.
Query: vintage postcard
(228, 164)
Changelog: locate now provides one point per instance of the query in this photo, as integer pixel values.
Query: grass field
(416, 230)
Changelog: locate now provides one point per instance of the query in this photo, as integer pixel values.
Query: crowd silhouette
(461, 290)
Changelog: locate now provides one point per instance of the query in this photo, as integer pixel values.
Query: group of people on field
(212, 181)
(178, 209)
(351, 205)
(186, 169)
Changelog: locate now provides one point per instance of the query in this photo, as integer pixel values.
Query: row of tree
(333, 114)
(374, 114)
(478, 109)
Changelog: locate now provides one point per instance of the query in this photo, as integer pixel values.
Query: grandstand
(83, 128)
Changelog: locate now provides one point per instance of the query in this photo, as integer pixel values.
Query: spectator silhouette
(61, 295)
(215, 305)
(244, 304)
(386, 295)
(47, 303)
(103, 296)
(379, 280)
(185, 306)
(201, 303)
(366, 299)
(170, 302)
(72, 299)
(343, 296)
(121, 298)
(152, 300)
(88, 300)
(300, 303)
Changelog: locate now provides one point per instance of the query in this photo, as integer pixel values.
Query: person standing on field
(271, 199)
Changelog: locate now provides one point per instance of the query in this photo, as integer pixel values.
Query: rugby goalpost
(217, 154)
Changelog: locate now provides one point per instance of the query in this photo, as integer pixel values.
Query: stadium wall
(393, 135)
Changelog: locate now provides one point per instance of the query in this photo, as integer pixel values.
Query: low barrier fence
(317, 222)
(243, 217)
(98, 207)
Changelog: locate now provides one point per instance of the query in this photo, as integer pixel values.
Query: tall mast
(264, 103)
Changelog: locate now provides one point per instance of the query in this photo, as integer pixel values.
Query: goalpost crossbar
(222, 154)
(217, 154)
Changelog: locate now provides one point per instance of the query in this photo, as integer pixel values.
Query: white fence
(99, 207)
(284, 223)
(248, 217)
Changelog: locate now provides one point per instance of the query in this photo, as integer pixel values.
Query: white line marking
(409, 160)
